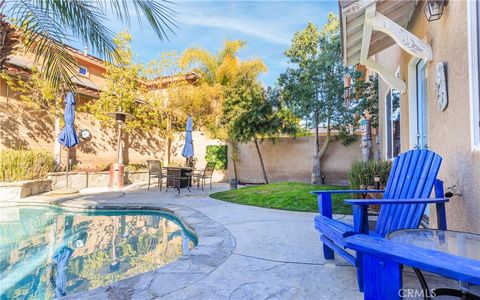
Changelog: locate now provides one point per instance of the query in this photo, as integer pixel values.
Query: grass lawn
(285, 195)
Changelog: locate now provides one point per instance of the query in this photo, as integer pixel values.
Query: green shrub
(217, 154)
(25, 164)
(364, 173)
(135, 167)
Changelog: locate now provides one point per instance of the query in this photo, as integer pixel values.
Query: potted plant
(369, 175)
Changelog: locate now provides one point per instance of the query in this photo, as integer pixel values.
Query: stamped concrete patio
(244, 252)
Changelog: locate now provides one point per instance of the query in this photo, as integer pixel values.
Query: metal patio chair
(205, 174)
(155, 171)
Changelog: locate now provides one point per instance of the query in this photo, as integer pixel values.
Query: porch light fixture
(434, 9)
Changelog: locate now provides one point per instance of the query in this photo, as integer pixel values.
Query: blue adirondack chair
(412, 178)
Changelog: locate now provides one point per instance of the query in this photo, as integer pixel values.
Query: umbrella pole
(68, 165)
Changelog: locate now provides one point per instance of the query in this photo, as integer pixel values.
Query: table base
(429, 294)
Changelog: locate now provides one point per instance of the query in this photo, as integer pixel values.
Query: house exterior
(419, 62)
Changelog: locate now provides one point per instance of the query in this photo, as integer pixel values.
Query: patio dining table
(450, 254)
(179, 177)
(462, 244)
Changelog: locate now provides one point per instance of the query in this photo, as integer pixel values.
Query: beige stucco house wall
(449, 130)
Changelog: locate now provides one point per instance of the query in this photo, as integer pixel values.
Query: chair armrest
(395, 201)
(448, 265)
(360, 213)
(346, 192)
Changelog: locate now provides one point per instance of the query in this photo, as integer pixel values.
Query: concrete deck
(244, 252)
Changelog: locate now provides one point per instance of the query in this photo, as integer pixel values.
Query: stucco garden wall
(28, 128)
(292, 159)
(448, 131)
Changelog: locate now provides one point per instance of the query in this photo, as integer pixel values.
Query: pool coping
(214, 247)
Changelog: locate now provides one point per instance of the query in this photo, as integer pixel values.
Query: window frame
(388, 121)
(413, 112)
(389, 131)
(473, 16)
(86, 69)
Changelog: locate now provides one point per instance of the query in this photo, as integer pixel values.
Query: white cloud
(263, 31)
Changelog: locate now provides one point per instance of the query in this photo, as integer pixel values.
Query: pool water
(47, 252)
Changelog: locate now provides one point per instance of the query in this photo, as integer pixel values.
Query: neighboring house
(395, 39)
(26, 128)
(89, 80)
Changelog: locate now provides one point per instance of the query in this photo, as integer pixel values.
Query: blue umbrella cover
(187, 150)
(68, 137)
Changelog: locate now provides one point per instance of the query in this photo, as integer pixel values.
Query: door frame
(412, 99)
(385, 127)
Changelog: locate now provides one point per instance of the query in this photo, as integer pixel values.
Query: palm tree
(219, 72)
(222, 67)
(47, 25)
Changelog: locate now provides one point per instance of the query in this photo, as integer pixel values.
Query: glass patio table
(457, 243)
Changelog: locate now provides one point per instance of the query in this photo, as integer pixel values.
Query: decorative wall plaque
(441, 85)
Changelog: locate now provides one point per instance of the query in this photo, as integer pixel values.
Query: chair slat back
(154, 166)
(209, 168)
(412, 176)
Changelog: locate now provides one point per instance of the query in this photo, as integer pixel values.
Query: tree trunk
(320, 154)
(235, 169)
(316, 172)
(261, 160)
(234, 156)
(366, 128)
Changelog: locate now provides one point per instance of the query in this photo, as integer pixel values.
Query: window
(474, 68)
(392, 123)
(418, 104)
(83, 71)
(422, 111)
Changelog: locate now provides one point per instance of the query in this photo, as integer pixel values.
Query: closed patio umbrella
(68, 137)
(187, 150)
(60, 262)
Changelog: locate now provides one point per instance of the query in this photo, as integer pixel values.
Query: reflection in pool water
(46, 252)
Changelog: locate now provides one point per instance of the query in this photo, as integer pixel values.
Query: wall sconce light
(434, 9)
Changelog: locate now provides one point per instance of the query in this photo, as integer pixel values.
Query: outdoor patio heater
(117, 169)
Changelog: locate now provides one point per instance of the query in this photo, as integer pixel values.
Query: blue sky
(266, 26)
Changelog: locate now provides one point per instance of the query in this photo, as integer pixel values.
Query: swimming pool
(48, 252)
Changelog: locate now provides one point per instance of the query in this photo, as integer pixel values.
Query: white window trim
(88, 72)
(385, 127)
(385, 134)
(473, 53)
(412, 99)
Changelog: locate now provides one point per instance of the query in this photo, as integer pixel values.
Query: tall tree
(217, 72)
(252, 114)
(46, 26)
(122, 90)
(125, 92)
(366, 97)
(313, 86)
